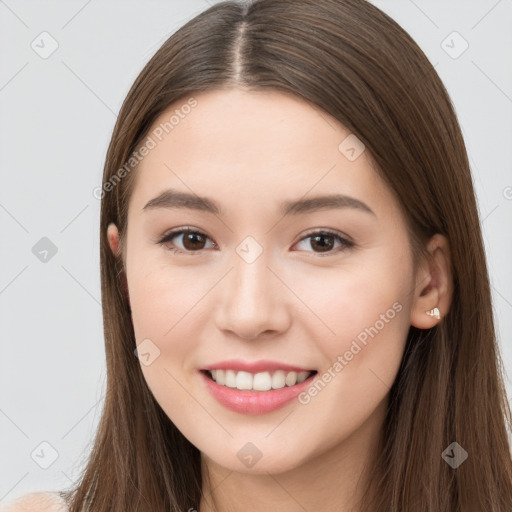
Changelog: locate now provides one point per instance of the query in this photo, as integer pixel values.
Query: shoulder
(36, 502)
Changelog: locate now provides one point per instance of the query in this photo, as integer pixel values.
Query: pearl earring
(434, 312)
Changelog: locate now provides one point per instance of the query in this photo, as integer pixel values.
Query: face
(322, 286)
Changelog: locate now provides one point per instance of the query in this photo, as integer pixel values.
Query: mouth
(261, 381)
(256, 393)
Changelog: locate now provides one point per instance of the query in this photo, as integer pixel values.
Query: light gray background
(57, 115)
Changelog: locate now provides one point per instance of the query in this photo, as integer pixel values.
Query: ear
(113, 238)
(113, 241)
(434, 284)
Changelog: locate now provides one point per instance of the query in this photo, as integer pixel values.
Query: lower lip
(255, 402)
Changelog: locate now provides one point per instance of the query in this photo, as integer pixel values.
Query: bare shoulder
(36, 502)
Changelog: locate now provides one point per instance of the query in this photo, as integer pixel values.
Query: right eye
(193, 240)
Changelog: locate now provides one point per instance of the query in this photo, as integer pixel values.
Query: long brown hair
(358, 65)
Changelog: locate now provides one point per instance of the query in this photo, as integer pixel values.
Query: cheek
(362, 364)
(168, 309)
(368, 310)
(165, 309)
(162, 298)
(363, 300)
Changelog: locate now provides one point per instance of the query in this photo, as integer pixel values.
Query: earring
(434, 312)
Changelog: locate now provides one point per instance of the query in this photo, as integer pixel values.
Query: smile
(248, 399)
(261, 381)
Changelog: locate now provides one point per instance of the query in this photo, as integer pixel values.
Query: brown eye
(324, 242)
(192, 241)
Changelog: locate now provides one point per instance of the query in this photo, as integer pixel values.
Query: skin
(249, 151)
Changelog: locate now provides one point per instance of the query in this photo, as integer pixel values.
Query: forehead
(257, 148)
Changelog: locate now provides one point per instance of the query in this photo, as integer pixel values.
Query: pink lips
(254, 402)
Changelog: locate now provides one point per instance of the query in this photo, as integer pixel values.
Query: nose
(252, 301)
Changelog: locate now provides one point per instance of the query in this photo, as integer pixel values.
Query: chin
(251, 460)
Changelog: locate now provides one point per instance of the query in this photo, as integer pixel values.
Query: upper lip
(255, 366)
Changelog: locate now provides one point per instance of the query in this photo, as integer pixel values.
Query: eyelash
(169, 236)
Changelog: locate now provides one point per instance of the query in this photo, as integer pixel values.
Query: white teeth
(291, 378)
(243, 380)
(262, 381)
(278, 379)
(302, 376)
(230, 377)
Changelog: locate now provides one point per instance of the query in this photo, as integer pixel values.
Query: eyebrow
(171, 198)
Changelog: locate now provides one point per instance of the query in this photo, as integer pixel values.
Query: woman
(295, 293)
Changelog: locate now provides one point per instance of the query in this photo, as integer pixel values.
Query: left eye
(193, 241)
(318, 240)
